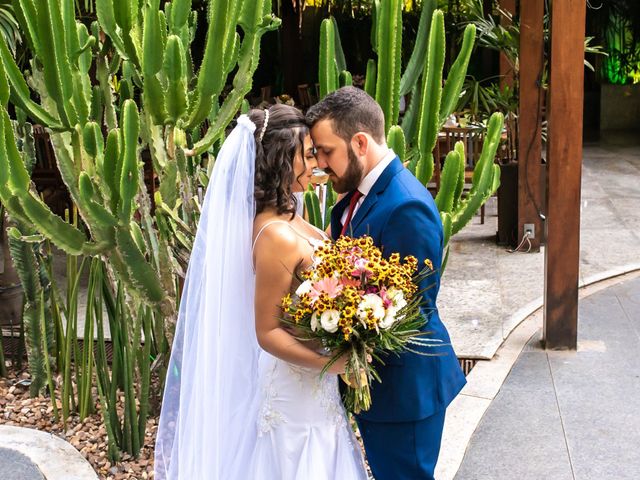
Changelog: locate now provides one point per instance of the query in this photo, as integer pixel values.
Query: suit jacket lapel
(372, 198)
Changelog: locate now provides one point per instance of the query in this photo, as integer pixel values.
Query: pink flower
(386, 300)
(330, 286)
(349, 282)
(360, 268)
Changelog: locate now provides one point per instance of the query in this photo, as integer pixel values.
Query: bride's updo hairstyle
(276, 149)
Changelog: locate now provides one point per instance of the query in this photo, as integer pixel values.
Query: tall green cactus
(147, 50)
(122, 94)
(389, 40)
(429, 106)
(328, 69)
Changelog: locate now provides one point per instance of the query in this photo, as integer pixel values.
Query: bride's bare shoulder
(273, 232)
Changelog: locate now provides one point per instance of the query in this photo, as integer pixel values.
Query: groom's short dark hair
(352, 110)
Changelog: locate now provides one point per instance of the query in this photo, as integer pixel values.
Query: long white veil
(207, 426)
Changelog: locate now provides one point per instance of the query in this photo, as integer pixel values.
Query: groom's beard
(352, 177)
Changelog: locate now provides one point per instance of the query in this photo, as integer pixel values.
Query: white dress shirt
(369, 181)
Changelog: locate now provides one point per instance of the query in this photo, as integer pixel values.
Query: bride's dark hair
(276, 149)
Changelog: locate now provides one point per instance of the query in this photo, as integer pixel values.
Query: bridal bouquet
(358, 303)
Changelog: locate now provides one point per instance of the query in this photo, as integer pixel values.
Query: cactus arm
(448, 182)
(20, 94)
(107, 169)
(248, 62)
(176, 94)
(107, 19)
(345, 79)
(341, 62)
(210, 77)
(312, 206)
(389, 35)
(410, 119)
(93, 141)
(424, 168)
(428, 123)
(231, 57)
(72, 43)
(459, 147)
(483, 176)
(140, 272)
(496, 178)
(100, 215)
(370, 78)
(180, 11)
(489, 146)
(327, 71)
(415, 66)
(129, 169)
(446, 226)
(329, 201)
(126, 16)
(457, 74)
(5, 90)
(152, 39)
(375, 12)
(25, 11)
(396, 141)
(27, 268)
(102, 72)
(57, 69)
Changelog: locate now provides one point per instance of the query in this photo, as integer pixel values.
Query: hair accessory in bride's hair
(266, 122)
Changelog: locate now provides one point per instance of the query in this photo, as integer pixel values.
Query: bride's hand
(339, 367)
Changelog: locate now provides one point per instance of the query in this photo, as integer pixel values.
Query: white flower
(388, 320)
(396, 295)
(304, 288)
(371, 303)
(329, 320)
(314, 321)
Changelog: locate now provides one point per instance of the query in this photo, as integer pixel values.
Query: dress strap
(312, 241)
(263, 229)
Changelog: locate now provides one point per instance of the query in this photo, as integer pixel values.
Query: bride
(244, 398)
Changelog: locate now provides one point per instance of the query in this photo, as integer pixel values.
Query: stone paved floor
(569, 415)
(487, 291)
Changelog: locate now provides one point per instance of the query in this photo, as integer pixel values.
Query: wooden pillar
(530, 192)
(507, 75)
(564, 171)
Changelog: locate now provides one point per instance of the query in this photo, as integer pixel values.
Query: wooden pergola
(560, 224)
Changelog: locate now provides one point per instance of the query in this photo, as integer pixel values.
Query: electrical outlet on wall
(529, 228)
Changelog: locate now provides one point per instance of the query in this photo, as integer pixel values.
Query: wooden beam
(530, 192)
(562, 254)
(507, 75)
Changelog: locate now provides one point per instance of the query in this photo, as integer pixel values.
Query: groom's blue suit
(403, 428)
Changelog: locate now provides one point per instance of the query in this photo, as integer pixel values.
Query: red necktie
(352, 206)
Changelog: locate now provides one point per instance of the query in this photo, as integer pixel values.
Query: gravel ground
(88, 437)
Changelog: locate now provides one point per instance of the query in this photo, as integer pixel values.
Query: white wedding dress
(231, 411)
(303, 430)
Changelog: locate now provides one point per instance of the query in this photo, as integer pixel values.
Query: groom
(403, 428)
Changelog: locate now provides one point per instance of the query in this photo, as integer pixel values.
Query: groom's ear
(360, 143)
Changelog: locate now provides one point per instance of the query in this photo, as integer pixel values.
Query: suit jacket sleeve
(414, 228)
